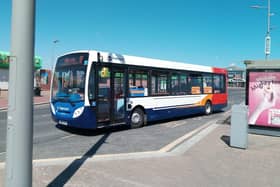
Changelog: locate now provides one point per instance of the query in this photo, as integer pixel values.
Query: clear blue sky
(216, 33)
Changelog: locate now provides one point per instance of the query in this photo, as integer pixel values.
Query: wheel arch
(206, 107)
(139, 106)
(144, 111)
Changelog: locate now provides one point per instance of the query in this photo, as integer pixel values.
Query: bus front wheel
(137, 118)
(208, 108)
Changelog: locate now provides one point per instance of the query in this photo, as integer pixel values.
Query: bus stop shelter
(263, 96)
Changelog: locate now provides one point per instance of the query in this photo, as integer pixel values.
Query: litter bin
(239, 126)
(37, 91)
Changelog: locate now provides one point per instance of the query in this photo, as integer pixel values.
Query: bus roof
(108, 57)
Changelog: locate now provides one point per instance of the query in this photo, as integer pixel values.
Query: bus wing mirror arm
(92, 102)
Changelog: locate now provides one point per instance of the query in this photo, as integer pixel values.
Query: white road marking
(45, 115)
(178, 141)
(173, 124)
(185, 146)
(169, 124)
(178, 124)
(65, 137)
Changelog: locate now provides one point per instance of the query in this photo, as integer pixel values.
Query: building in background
(45, 79)
(236, 76)
(4, 69)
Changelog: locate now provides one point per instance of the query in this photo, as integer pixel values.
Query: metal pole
(20, 109)
(268, 17)
(268, 38)
(53, 54)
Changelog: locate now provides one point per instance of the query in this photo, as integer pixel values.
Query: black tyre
(208, 108)
(137, 118)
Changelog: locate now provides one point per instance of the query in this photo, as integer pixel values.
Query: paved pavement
(204, 159)
(42, 99)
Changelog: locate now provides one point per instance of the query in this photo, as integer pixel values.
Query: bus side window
(207, 84)
(219, 84)
(184, 84)
(175, 87)
(196, 84)
(160, 83)
(138, 83)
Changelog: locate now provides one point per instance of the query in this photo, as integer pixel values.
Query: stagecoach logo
(64, 109)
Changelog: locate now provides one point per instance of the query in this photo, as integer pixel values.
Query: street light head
(258, 6)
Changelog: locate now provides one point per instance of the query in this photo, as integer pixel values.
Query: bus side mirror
(92, 103)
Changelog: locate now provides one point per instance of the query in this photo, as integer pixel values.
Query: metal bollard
(239, 126)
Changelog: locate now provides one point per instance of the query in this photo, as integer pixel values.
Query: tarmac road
(53, 142)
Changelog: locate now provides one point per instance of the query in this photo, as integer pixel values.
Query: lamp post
(20, 112)
(53, 53)
(267, 36)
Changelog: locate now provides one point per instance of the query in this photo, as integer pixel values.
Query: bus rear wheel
(137, 118)
(208, 108)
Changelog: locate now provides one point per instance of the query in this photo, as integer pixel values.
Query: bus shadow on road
(70, 170)
(92, 132)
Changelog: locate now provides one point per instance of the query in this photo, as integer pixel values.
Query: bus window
(219, 84)
(138, 83)
(175, 87)
(196, 83)
(153, 84)
(207, 84)
(184, 89)
(159, 83)
(79, 80)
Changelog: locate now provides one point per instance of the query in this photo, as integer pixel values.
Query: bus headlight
(53, 109)
(78, 112)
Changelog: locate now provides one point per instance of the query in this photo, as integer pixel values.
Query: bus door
(118, 104)
(103, 94)
(110, 95)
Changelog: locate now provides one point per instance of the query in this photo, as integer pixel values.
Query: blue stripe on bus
(64, 113)
(169, 112)
(154, 115)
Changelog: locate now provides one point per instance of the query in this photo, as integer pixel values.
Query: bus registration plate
(62, 122)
